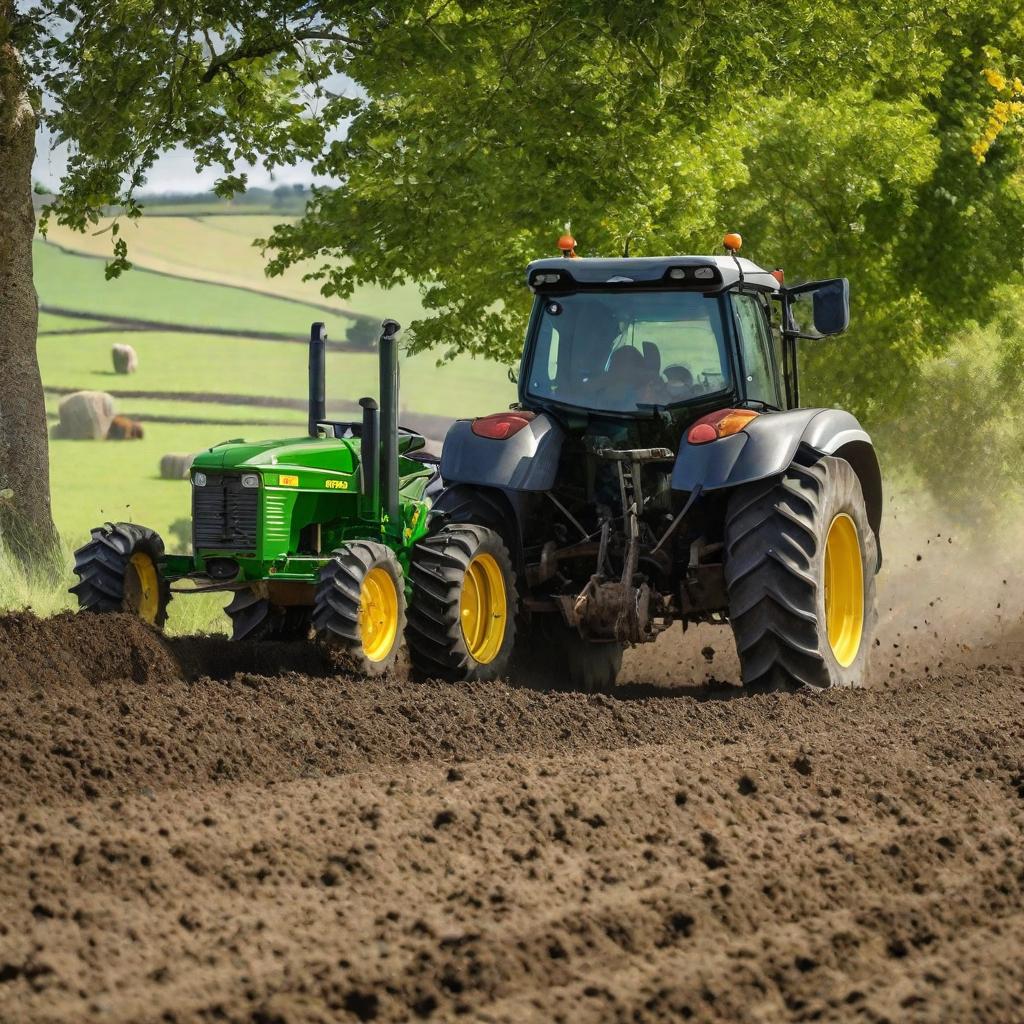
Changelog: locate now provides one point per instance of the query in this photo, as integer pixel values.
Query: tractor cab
(628, 352)
(667, 337)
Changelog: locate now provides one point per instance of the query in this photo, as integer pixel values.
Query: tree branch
(264, 48)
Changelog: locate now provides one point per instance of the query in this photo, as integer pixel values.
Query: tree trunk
(26, 523)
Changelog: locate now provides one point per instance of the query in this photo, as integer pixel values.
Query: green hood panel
(330, 454)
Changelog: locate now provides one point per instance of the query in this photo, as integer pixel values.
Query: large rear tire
(800, 566)
(119, 571)
(464, 603)
(359, 606)
(553, 656)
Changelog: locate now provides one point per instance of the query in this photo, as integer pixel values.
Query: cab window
(628, 351)
(755, 349)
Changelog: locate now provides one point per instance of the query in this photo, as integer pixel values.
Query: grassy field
(46, 593)
(239, 366)
(92, 482)
(190, 270)
(51, 323)
(67, 281)
(220, 249)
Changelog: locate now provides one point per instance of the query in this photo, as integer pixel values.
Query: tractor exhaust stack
(369, 457)
(389, 424)
(317, 399)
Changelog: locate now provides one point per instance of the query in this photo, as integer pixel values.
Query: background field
(218, 247)
(201, 270)
(197, 273)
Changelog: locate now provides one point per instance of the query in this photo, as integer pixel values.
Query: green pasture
(220, 250)
(267, 422)
(67, 281)
(95, 481)
(54, 322)
(240, 366)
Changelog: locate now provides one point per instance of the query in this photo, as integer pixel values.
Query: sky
(173, 172)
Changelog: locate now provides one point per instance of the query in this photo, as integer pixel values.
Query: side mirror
(818, 309)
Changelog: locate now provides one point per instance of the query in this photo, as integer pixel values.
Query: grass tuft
(41, 590)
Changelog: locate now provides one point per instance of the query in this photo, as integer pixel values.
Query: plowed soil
(192, 831)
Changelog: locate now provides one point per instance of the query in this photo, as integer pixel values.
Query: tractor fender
(526, 461)
(767, 445)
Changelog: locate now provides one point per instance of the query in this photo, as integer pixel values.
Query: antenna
(732, 242)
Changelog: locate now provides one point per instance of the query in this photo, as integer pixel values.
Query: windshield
(626, 351)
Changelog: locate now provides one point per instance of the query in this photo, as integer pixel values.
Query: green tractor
(310, 534)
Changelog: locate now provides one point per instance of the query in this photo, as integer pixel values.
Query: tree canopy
(880, 142)
(839, 141)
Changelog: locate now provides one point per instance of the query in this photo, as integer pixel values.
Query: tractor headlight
(250, 480)
(199, 479)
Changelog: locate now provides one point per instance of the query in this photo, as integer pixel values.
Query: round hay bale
(85, 415)
(125, 359)
(175, 466)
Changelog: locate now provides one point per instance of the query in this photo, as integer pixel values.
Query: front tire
(119, 571)
(359, 606)
(463, 613)
(801, 559)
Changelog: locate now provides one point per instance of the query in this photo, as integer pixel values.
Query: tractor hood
(336, 455)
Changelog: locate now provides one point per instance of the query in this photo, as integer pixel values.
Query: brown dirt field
(194, 831)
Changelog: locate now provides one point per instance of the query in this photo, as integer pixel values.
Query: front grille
(225, 515)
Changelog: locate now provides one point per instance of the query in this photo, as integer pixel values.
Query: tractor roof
(638, 269)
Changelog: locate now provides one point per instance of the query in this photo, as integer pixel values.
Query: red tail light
(718, 424)
(501, 425)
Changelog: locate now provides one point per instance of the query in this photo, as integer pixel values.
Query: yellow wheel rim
(378, 614)
(142, 588)
(844, 589)
(483, 609)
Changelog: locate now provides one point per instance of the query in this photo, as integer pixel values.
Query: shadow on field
(701, 692)
(217, 657)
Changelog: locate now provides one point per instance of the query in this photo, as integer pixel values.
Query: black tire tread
(101, 565)
(433, 634)
(336, 603)
(773, 536)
